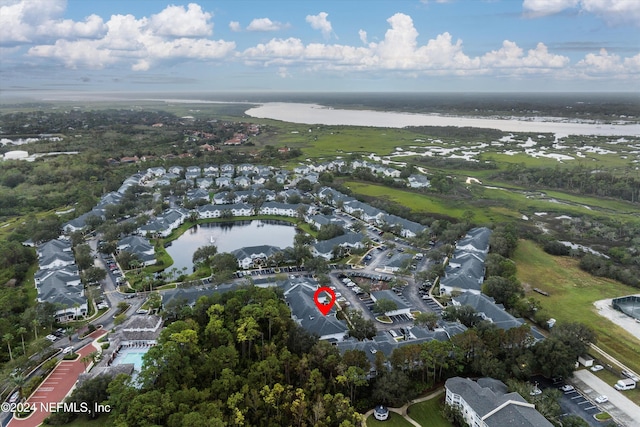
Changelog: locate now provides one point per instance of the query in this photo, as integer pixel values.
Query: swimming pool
(130, 355)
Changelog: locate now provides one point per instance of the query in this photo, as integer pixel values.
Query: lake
(318, 114)
(229, 236)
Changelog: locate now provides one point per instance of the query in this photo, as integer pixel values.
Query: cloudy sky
(313, 45)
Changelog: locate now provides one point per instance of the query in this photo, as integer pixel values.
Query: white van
(626, 384)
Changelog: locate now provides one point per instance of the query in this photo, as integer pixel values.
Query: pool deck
(121, 358)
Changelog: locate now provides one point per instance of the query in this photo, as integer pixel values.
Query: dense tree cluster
(239, 359)
(329, 231)
(41, 122)
(578, 179)
(600, 266)
(15, 260)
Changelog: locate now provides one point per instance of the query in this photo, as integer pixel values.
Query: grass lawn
(318, 141)
(394, 420)
(415, 201)
(572, 294)
(428, 413)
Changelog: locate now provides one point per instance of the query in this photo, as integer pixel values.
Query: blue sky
(308, 45)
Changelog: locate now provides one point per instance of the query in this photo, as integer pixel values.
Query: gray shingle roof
(299, 297)
(464, 271)
(252, 251)
(347, 239)
(486, 306)
(483, 400)
(390, 295)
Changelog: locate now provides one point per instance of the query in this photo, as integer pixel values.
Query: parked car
(51, 338)
(596, 368)
(567, 387)
(602, 399)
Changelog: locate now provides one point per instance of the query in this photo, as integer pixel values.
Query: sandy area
(606, 310)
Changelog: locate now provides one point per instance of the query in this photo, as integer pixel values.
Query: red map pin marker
(324, 308)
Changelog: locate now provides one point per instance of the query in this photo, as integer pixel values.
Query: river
(318, 114)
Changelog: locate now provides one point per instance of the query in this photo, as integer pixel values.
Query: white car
(567, 387)
(596, 368)
(535, 392)
(67, 350)
(602, 399)
(51, 338)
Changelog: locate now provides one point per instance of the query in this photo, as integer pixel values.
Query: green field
(428, 413)
(394, 420)
(572, 294)
(318, 141)
(497, 205)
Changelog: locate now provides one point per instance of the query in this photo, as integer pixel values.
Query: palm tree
(7, 338)
(35, 325)
(19, 381)
(76, 306)
(21, 331)
(86, 360)
(69, 330)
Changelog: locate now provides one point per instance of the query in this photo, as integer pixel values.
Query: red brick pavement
(56, 386)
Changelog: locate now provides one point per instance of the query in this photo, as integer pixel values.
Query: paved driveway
(56, 386)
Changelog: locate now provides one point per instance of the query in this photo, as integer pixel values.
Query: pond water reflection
(229, 236)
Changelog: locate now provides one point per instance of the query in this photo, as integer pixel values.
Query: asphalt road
(623, 410)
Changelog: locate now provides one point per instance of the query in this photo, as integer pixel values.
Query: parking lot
(572, 402)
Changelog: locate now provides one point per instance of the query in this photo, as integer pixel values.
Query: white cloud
(400, 51)
(142, 43)
(283, 73)
(363, 36)
(612, 11)
(605, 64)
(38, 21)
(320, 22)
(265, 24)
(399, 44)
(93, 26)
(537, 8)
(176, 21)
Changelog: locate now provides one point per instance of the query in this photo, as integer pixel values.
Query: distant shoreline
(318, 114)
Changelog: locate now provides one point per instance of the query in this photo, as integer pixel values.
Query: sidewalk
(403, 409)
(56, 386)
